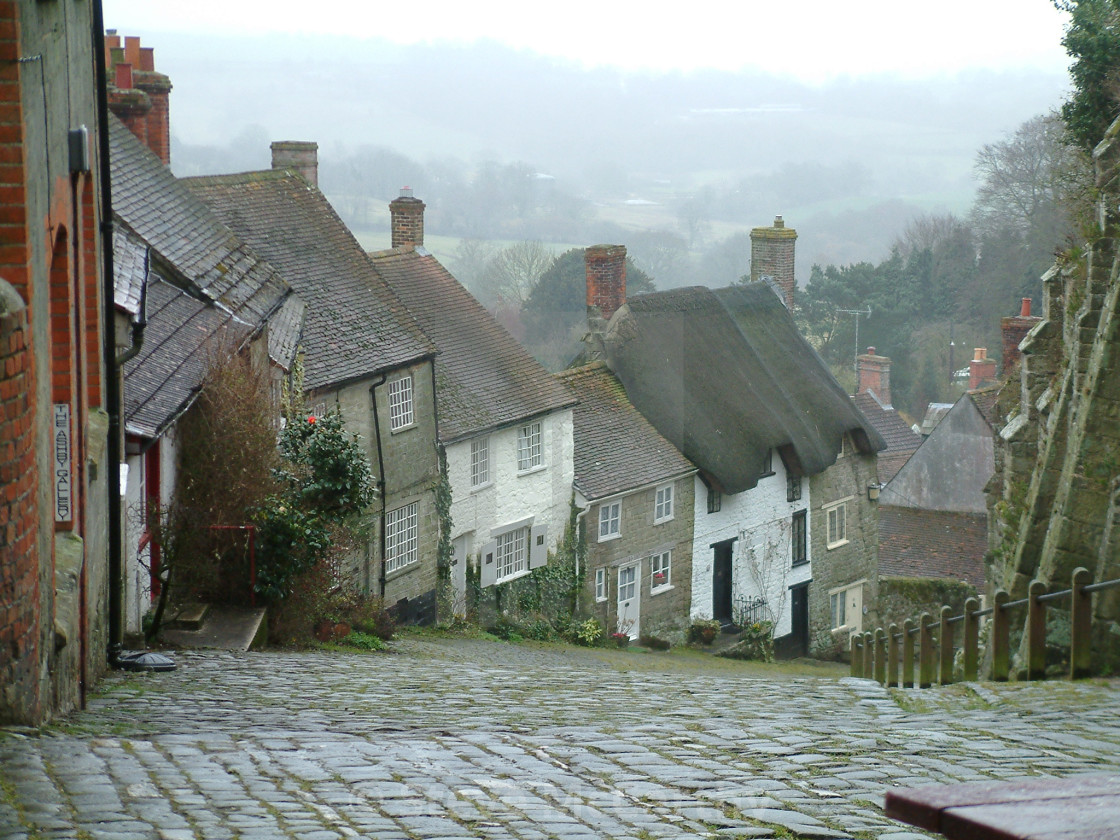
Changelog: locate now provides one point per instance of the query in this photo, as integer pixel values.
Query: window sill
(403, 570)
(836, 631)
(836, 544)
(400, 429)
(512, 577)
(663, 520)
(600, 600)
(477, 487)
(531, 470)
(661, 589)
(609, 537)
(799, 564)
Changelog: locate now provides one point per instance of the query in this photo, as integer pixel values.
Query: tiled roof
(616, 448)
(284, 329)
(484, 377)
(932, 543)
(184, 335)
(130, 266)
(726, 376)
(985, 400)
(354, 325)
(191, 244)
(901, 440)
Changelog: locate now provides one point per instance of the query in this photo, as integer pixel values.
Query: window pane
(480, 462)
(510, 553)
(529, 447)
(660, 567)
(400, 537)
(663, 505)
(400, 403)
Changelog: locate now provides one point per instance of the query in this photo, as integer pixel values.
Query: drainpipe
(108, 346)
(380, 479)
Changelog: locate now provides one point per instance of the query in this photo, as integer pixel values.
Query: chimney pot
(1025, 309)
(132, 50)
(406, 192)
(123, 78)
(148, 59)
(981, 369)
(779, 222)
(870, 351)
(299, 155)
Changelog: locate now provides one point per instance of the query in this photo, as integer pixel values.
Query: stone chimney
(407, 220)
(875, 376)
(137, 94)
(772, 256)
(301, 156)
(981, 370)
(1014, 329)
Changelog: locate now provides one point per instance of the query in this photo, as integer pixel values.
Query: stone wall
(902, 598)
(1055, 503)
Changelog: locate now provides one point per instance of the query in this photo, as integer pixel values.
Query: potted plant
(620, 639)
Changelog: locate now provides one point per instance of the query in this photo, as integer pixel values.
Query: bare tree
(513, 272)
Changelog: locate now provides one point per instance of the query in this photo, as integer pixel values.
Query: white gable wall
(543, 495)
(760, 521)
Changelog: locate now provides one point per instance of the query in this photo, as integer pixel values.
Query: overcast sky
(813, 40)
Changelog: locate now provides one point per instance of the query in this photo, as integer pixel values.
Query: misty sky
(812, 40)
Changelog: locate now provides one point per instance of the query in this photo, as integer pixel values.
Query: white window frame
(852, 608)
(663, 504)
(511, 553)
(401, 537)
(480, 462)
(601, 585)
(661, 563)
(530, 448)
(401, 414)
(836, 518)
(610, 521)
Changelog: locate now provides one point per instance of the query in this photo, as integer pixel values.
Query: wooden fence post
(868, 652)
(881, 656)
(945, 635)
(908, 653)
(856, 644)
(925, 651)
(1001, 637)
(1036, 632)
(1080, 625)
(971, 640)
(892, 656)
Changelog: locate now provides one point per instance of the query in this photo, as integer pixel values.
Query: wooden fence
(889, 656)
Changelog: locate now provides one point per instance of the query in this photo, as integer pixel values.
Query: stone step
(190, 617)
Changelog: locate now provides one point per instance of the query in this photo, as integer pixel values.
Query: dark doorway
(721, 581)
(797, 642)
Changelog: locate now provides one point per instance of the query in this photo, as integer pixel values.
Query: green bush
(703, 631)
(589, 633)
(365, 641)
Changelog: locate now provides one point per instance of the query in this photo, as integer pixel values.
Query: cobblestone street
(455, 738)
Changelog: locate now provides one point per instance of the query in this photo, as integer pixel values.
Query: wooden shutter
(538, 546)
(489, 564)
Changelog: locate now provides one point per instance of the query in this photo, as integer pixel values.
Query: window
(610, 521)
(600, 584)
(768, 464)
(663, 504)
(837, 524)
(660, 570)
(511, 553)
(800, 555)
(400, 537)
(627, 583)
(715, 500)
(846, 606)
(793, 488)
(480, 462)
(400, 403)
(529, 447)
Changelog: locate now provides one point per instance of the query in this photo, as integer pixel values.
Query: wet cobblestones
(454, 738)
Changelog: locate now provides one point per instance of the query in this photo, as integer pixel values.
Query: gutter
(380, 479)
(108, 345)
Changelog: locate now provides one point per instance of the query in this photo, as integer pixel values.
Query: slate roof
(354, 326)
(485, 379)
(183, 336)
(192, 245)
(130, 266)
(985, 400)
(901, 440)
(932, 544)
(726, 376)
(616, 448)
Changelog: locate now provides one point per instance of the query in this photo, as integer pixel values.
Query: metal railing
(889, 656)
(748, 610)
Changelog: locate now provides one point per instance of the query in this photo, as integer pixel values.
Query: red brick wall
(407, 215)
(606, 277)
(19, 520)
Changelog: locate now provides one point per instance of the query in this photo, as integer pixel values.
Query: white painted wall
(544, 494)
(761, 557)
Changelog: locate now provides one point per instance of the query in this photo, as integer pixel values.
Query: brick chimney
(300, 156)
(606, 279)
(981, 370)
(772, 256)
(875, 376)
(137, 94)
(407, 219)
(1014, 329)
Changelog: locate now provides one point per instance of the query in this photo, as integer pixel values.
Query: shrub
(365, 641)
(756, 643)
(589, 633)
(653, 643)
(703, 631)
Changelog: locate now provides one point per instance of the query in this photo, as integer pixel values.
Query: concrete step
(225, 627)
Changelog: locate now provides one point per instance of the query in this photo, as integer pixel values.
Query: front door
(799, 619)
(629, 599)
(721, 581)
